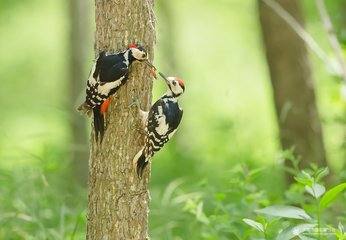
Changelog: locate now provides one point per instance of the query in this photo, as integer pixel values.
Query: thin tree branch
(300, 31)
(333, 40)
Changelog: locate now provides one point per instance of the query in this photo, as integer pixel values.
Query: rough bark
(293, 85)
(118, 200)
(78, 51)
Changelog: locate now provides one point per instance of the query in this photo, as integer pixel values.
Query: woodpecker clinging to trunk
(107, 75)
(161, 122)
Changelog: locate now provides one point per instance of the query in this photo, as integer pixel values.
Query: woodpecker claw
(153, 73)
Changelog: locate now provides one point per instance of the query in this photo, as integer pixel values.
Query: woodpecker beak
(149, 64)
(152, 68)
(164, 77)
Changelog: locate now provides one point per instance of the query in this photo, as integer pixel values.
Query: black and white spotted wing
(107, 75)
(163, 120)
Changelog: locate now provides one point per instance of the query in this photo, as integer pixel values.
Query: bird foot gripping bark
(153, 72)
(85, 109)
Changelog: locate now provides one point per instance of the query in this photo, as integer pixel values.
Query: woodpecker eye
(174, 83)
(144, 55)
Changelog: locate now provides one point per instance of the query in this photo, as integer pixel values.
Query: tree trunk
(293, 85)
(118, 200)
(78, 51)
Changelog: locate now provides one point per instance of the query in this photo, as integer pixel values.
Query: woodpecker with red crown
(107, 75)
(161, 122)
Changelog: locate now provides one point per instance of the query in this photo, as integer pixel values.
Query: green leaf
(341, 227)
(254, 224)
(306, 175)
(284, 211)
(304, 178)
(316, 190)
(303, 181)
(295, 231)
(170, 190)
(220, 197)
(256, 171)
(331, 195)
(200, 214)
(321, 173)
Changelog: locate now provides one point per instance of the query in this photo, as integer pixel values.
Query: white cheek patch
(176, 89)
(137, 53)
(162, 127)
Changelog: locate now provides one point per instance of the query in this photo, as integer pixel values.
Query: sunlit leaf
(200, 214)
(306, 174)
(256, 171)
(24, 217)
(303, 181)
(295, 231)
(321, 173)
(254, 224)
(183, 198)
(341, 227)
(316, 190)
(169, 191)
(284, 211)
(331, 195)
(304, 178)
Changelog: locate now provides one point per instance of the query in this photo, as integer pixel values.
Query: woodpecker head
(175, 84)
(140, 54)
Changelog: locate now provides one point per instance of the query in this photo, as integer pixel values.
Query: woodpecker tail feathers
(99, 124)
(140, 162)
(85, 109)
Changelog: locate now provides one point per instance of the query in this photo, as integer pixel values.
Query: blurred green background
(229, 117)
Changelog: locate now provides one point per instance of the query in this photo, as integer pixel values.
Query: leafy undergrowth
(241, 210)
(32, 207)
(42, 203)
(39, 200)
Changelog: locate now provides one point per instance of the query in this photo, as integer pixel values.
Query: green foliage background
(229, 125)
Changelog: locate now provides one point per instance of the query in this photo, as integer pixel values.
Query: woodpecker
(161, 122)
(107, 75)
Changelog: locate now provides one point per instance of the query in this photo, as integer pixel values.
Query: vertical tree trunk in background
(79, 11)
(168, 37)
(293, 85)
(118, 200)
